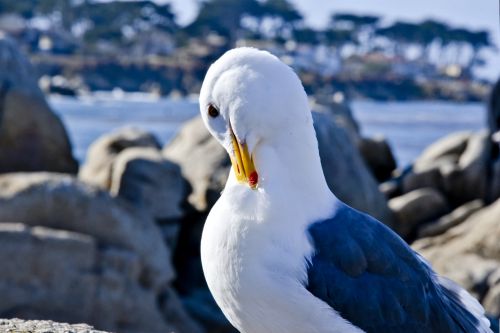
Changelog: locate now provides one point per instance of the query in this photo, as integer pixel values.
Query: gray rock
(78, 255)
(452, 219)
(451, 146)
(479, 234)
(345, 172)
(494, 131)
(64, 276)
(151, 183)
(428, 177)
(415, 208)
(469, 253)
(494, 109)
(143, 177)
(129, 164)
(494, 181)
(378, 156)
(473, 165)
(101, 154)
(32, 137)
(390, 188)
(43, 326)
(204, 163)
(492, 301)
(60, 201)
(341, 115)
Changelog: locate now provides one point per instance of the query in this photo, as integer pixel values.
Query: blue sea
(408, 126)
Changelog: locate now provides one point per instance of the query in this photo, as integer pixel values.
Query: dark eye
(212, 111)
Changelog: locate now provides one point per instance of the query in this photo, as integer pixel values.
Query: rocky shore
(114, 243)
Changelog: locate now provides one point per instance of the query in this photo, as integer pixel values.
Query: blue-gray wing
(373, 279)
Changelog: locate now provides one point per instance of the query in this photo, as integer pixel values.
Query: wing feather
(368, 274)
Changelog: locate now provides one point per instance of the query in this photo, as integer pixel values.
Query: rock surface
(204, 163)
(143, 177)
(32, 137)
(452, 219)
(470, 254)
(344, 169)
(43, 326)
(451, 145)
(416, 207)
(72, 253)
(101, 154)
(378, 156)
(129, 164)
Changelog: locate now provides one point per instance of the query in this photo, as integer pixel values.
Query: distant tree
(109, 20)
(21, 7)
(432, 32)
(476, 40)
(306, 36)
(362, 27)
(402, 35)
(284, 13)
(338, 39)
(354, 20)
(63, 8)
(232, 19)
(223, 17)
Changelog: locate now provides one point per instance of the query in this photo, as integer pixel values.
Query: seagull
(280, 253)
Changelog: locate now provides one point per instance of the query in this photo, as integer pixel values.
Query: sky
(475, 14)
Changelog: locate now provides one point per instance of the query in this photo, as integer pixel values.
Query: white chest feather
(256, 270)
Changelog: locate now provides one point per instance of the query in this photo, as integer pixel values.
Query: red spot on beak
(253, 179)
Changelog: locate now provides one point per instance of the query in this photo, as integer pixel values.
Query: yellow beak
(242, 162)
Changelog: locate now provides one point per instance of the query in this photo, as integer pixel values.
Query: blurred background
(107, 172)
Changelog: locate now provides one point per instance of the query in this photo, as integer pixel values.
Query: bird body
(280, 252)
(258, 270)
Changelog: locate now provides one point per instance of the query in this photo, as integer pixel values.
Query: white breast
(256, 270)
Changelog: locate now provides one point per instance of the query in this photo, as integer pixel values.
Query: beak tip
(253, 179)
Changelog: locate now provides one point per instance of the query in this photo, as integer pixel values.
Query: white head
(257, 109)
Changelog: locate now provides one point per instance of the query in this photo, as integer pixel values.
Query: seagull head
(255, 106)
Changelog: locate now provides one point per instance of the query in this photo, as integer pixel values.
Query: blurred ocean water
(409, 126)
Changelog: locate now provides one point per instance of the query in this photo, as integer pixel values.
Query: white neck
(290, 169)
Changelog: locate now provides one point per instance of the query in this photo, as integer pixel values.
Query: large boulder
(423, 176)
(415, 208)
(449, 147)
(345, 171)
(72, 253)
(457, 216)
(494, 109)
(378, 156)
(494, 130)
(204, 163)
(474, 164)
(32, 137)
(459, 166)
(129, 164)
(143, 177)
(151, 183)
(470, 254)
(341, 114)
(101, 154)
